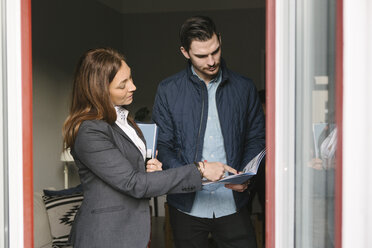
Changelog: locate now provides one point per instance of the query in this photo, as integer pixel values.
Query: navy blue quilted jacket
(180, 111)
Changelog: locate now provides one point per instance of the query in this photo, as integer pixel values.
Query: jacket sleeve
(167, 149)
(95, 149)
(255, 133)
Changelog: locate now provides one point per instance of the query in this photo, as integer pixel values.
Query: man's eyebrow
(200, 55)
(217, 49)
(204, 55)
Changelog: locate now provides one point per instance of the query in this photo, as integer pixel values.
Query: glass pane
(315, 123)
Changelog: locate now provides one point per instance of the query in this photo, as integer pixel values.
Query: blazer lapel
(121, 132)
(140, 136)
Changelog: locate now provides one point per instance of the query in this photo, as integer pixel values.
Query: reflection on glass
(316, 132)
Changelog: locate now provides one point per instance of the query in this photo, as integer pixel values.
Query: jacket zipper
(200, 126)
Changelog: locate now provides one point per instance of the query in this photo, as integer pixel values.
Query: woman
(109, 151)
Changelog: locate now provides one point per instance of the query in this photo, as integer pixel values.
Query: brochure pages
(249, 171)
(150, 132)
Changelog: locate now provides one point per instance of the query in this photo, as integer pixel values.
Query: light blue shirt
(213, 200)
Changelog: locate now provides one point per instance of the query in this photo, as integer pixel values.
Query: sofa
(54, 213)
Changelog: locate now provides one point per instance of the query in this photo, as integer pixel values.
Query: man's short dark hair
(199, 28)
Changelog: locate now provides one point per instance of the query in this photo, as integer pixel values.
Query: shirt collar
(121, 113)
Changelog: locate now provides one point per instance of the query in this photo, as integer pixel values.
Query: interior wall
(152, 46)
(61, 32)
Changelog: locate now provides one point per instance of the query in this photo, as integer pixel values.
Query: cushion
(69, 191)
(62, 206)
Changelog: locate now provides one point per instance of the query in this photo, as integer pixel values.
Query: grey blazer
(115, 210)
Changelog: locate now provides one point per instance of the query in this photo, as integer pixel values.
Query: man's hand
(238, 187)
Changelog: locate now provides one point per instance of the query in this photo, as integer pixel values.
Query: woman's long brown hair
(90, 95)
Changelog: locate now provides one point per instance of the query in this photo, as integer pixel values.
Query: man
(207, 112)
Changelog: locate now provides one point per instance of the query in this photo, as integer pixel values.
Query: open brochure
(249, 171)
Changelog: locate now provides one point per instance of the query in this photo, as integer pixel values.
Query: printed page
(249, 171)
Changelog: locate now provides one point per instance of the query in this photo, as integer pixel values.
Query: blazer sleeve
(95, 149)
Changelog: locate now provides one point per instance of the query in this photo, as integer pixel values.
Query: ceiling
(148, 6)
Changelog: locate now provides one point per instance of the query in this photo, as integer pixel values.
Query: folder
(150, 133)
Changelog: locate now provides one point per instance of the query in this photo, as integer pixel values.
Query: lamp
(66, 158)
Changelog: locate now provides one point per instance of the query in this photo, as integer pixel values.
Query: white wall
(13, 125)
(63, 30)
(357, 125)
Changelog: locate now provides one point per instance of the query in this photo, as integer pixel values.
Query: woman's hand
(153, 165)
(214, 171)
